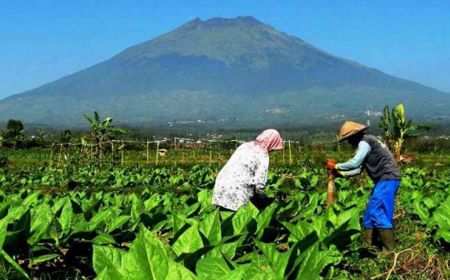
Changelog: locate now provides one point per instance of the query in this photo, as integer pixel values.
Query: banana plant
(103, 131)
(397, 128)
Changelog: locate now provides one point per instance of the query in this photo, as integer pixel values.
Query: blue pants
(380, 209)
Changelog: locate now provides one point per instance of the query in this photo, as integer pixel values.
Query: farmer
(244, 176)
(378, 161)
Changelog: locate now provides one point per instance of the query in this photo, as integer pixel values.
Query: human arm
(350, 173)
(356, 162)
(259, 179)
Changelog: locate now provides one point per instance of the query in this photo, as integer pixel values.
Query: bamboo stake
(290, 152)
(51, 152)
(60, 154)
(122, 154)
(157, 153)
(330, 190)
(148, 152)
(112, 151)
(69, 150)
(82, 152)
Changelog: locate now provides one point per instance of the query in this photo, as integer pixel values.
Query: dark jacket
(380, 164)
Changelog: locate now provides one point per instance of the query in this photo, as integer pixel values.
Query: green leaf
(41, 221)
(109, 262)
(152, 202)
(243, 217)
(30, 199)
(58, 204)
(55, 232)
(104, 239)
(147, 258)
(43, 258)
(211, 227)
(100, 218)
(263, 219)
(137, 208)
(212, 268)
(314, 261)
(278, 261)
(441, 217)
(227, 250)
(117, 222)
(204, 197)
(178, 271)
(3, 226)
(237, 274)
(188, 242)
(65, 219)
(310, 209)
(442, 233)
(13, 263)
(298, 231)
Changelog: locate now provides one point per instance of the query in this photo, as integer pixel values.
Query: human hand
(331, 164)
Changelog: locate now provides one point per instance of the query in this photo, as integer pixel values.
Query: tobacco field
(137, 221)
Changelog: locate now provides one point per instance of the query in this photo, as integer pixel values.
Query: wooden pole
(157, 153)
(112, 151)
(51, 152)
(81, 151)
(60, 154)
(68, 152)
(330, 190)
(290, 152)
(148, 152)
(122, 154)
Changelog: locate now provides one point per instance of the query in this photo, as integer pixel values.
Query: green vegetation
(112, 209)
(92, 218)
(397, 128)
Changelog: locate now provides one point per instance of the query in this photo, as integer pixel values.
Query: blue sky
(41, 41)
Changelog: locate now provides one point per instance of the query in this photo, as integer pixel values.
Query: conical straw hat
(350, 128)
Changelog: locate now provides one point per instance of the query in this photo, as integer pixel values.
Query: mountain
(221, 70)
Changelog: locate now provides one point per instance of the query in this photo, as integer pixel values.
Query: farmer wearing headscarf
(378, 161)
(245, 174)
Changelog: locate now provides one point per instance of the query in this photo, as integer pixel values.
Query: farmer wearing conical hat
(373, 156)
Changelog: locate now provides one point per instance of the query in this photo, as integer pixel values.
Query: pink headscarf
(270, 140)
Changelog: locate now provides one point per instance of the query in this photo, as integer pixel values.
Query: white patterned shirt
(244, 174)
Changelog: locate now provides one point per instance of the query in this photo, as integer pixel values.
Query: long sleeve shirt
(354, 165)
(243, 175)
(376, 159)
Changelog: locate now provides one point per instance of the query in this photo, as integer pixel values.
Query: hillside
(218, 71)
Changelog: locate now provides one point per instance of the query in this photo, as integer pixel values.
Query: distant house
(198, 144)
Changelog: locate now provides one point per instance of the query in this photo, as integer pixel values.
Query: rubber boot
(368, 236)
(387, 239)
